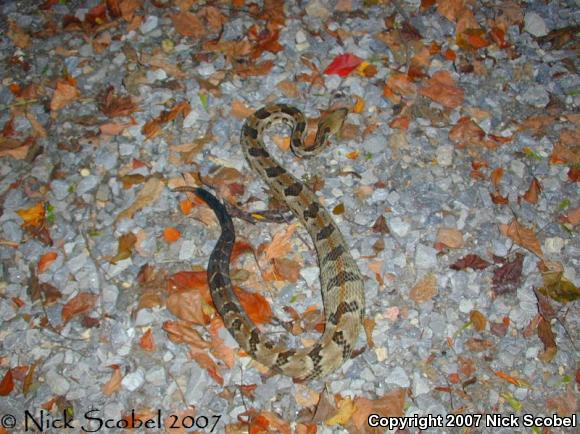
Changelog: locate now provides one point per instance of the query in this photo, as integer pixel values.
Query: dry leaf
(206, 362)
(29, 379)
(531, 196)
(472, 261)
(547, 337)
(425, 289)
(255, 305)
(218, 347)
(442, 89)
(171, 234)
(345, 411)
(64, 94)
(450, 237)
(147, 341)
(114, 383)
(125, 247)
(280, 245)
(181, 332)
(46, 260)
(478, 320)
(7, 383)
(78, 305)
(522, 236)
(507, 277)
(188, 306)
(146, 196)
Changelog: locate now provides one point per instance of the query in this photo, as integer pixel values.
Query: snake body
(340, 279)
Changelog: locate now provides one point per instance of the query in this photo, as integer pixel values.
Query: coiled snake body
(340, 279)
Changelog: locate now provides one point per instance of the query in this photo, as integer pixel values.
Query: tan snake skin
(340, 279)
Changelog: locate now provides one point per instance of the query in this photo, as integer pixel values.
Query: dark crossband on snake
(341, 282)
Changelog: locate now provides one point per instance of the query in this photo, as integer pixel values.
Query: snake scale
(340, 279)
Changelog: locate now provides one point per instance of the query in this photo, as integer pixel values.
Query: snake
(341, 282)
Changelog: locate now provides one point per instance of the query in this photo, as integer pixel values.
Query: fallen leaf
(478, 320)
(181, 332)
(441, 88)
(280, 245)
(425, 289)
(507, 277)
(531, 196)
(495, 177)
(523, 236)
(547, 337)
(114, 383)
(7, 383)
(33, 216)
(390, 405)
(284, 270)
(450, 237)
(475, 262)
(477, 345)
(206, 362)
(343, 64)
(78, 305)
(171, 234)
(218, 347)
(46, 260)
(29, 379)
(64, 94)
(558, 287)
(125, 247)
(147, 341)
(188, 306)
(188, 24)
(255, 305)
(345, 411)
(509, 378)
(147, 195)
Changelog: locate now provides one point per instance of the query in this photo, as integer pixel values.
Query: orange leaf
(390, 405)
(498, 199)
(218, 347)
(181, 332)
(353, 155)
(506, 377)
(206, 362)
(189, 306)
(185, 206)
(78, 305)
(147, 341)
(441, 88)
(478, 320)
(523, 236)
(255, 305)
(171, 234)
(450, 237)
(496, 176)
(531, 196)
(46, 260)
(185, 280)
(33, 216)
(114, 383)
(7, 384)
(280, 245)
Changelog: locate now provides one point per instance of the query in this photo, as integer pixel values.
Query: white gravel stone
(535, 25)
(134, 380)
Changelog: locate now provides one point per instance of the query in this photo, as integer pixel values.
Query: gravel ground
(454, 181)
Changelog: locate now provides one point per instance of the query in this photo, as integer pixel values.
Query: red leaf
(343, 64)
(78, 305)
(470, 261)
(7, 384)
(507, 278)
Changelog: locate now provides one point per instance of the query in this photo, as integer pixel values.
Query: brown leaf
(390, 405)
(218, 347)
(441, 88)
(29, 379)
(523, 236)
(425, 289)
(280, 245)
(558, 287)
(507, 277)
(565, 404)
(146, 196)
(181, 332)
(475, 262)
(188, 306)
(206, 362)
(114, 383)
(547, 337)
(477, 345)
(78, 305)
(498, 199)
(147, 341)
(125, 247)
(531, 196)
(495, 177)
(65, 93)
(50, 294)
(188, 24)
(7, 383)
(468, 132)
(478, 320)
(450, 237)
(113, 105)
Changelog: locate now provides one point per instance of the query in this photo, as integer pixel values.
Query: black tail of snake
(341, 282)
